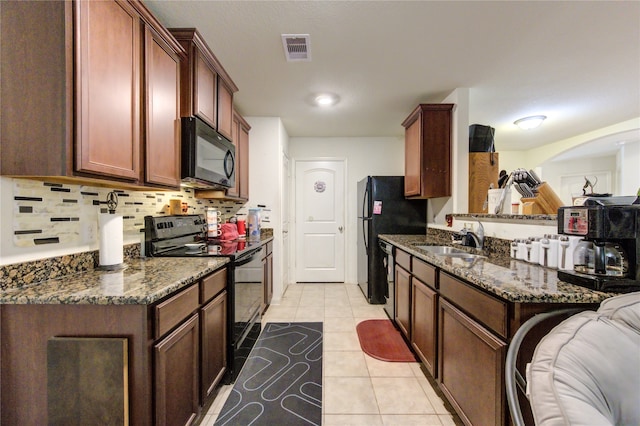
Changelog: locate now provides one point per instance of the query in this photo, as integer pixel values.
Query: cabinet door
(471, 367)
(214, 343)
(225, 108)
(205, 90)
(176, 373)
(424, 314)
(243, 162)
(403, 297)
(240, 138)
(234, 191)
(412, 156)
(108, 89)
(162, 165)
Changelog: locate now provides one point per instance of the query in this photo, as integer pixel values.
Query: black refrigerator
(383, 210)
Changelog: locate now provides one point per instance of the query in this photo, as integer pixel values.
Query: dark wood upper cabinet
(225, 108)
(77, 77)
(240, 138)
(207, 90)
(162, 148)
(108, 65)
(428, 151)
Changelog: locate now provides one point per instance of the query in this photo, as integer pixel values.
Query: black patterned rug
(281, 382)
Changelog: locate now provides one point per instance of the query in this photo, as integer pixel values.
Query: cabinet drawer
(213, 284)
(481, 306)
(403, 259)
(425, 273)
(172, 311)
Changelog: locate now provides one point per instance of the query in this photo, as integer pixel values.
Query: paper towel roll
(111, 237)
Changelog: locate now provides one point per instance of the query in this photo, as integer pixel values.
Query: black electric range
(185, 236)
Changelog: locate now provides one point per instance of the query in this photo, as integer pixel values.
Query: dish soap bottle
(253, 224)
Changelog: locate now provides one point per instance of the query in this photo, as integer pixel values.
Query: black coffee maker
(608, 258)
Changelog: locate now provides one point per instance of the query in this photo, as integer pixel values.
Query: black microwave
(208, 158)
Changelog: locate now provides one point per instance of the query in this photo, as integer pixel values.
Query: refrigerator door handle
(364, 236)
(365, 218)
(364, 203)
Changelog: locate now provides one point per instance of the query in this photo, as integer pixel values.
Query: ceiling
(578, 63)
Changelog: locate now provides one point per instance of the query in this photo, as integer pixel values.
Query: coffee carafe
(607, 258)
(596, 258)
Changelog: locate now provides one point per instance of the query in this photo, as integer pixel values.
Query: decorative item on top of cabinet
(428, 151)
(240, 132)
(483, 171)
(87, 124)
(207, 90)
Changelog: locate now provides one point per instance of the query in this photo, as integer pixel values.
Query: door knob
(340, 229)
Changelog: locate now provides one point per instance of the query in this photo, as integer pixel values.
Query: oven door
(248, 293)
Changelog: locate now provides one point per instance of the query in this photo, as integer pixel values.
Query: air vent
(297, 47)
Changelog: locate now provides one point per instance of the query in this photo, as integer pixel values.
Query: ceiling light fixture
(326, 100)
(528, 123)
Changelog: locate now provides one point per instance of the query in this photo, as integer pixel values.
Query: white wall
(268, 141)
(363, 157)
(438, 208)
(629, 166)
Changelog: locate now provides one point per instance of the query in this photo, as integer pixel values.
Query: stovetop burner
(211, 248)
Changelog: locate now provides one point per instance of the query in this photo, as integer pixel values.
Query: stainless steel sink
(442, 250)
(450, 252)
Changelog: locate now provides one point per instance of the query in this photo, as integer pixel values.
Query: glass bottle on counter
(253, 224)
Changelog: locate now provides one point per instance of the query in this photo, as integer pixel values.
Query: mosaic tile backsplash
(54, 213)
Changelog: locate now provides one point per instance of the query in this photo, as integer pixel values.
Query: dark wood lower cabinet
(403, 301)
(176, 374)
(168, 375)
(424, 320)
(214, 337)
(471, 367)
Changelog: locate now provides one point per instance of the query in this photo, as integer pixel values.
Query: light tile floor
(357, 389)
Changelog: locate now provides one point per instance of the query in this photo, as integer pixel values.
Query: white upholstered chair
(585, 371)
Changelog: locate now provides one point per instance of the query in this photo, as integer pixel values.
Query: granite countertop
(514, 280)
(143, 281)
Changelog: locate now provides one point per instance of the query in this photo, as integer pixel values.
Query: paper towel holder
(112, 204)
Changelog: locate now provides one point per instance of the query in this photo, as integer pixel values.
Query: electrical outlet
(89, 232)
(469, 226)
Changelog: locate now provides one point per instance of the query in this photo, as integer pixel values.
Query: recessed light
(528, 123)
(326, 99)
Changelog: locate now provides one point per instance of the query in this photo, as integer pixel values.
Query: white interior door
(319, 209)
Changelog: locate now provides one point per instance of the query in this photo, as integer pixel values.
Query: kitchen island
(459, 314)
(169, 315)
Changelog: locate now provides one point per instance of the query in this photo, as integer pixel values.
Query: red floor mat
(381, 340)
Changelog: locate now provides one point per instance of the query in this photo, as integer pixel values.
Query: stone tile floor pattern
(357, 389)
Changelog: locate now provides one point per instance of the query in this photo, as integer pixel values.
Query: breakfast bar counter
(510, 279)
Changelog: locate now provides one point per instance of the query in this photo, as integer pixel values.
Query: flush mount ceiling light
(528, 123)
(325, 99)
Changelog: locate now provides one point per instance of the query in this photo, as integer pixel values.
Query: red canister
(242, 229)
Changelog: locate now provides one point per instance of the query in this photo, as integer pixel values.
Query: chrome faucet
(465, 235)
